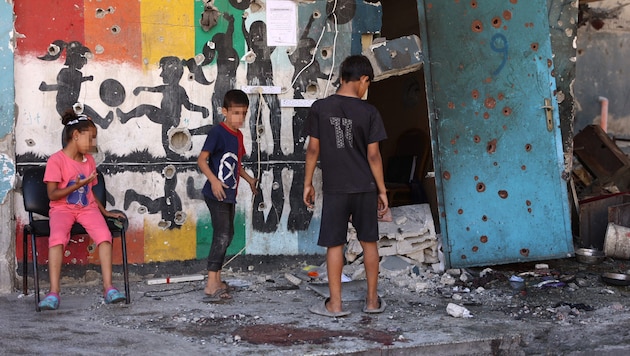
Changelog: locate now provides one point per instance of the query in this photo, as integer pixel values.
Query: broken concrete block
(417, 256)
(395, 263)
(454, 271)
(465, 277)
(353, 250)
(447, 280)
(387, 247)
(457, 311)
(430, 257)
(421, 286)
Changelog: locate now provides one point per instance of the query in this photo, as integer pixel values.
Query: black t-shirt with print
(345, 126)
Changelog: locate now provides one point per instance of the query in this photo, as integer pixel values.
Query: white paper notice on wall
(281, 20)
(296, 103)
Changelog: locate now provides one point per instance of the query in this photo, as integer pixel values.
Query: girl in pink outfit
(70, 175)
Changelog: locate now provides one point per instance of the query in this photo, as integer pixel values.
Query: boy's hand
(382, 203)
(217, 189)
(309, 196)
(253, 184)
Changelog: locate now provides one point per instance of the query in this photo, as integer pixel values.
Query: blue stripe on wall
(7, 94)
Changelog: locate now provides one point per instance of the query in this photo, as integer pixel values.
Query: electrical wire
(170, 292)
(334, 49)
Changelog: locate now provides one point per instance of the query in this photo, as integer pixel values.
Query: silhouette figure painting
(307, 69)
(227, 63)
(260, 72)
(174, 96)
(170, 205)
(70, 78)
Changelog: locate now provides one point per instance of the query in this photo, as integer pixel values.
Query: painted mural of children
(220, 162)
(69, 79)
(344, 133)
(70, 175)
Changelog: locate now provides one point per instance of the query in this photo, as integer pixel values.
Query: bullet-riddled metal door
(495, 130)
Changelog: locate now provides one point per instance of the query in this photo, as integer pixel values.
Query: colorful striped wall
(152, 78)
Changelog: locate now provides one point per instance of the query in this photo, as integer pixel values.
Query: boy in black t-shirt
(220, 161)
(344, 133)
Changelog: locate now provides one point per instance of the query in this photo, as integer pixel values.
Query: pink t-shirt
(64, 170)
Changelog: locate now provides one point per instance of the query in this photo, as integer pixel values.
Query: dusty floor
(578, 315)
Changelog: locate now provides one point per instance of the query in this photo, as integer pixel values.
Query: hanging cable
(334, 49)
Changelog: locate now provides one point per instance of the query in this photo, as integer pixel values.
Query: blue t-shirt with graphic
(226, 150)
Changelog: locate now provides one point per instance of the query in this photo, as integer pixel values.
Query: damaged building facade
(152, 75)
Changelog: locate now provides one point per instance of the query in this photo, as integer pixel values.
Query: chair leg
(25, 263)
(123, 242)
(35, 272)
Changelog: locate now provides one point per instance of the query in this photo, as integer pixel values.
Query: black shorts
(336, 211)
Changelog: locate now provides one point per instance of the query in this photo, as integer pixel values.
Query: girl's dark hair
(235, 97)
(73, 122)
(354, 67)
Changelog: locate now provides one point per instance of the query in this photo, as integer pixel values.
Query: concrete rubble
(411, 234)
(564, 308)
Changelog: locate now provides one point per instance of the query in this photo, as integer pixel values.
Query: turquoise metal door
(495, 131)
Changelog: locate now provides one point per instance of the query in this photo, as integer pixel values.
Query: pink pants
(62, 218)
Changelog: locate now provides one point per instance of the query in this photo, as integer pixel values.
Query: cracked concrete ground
(269, 315)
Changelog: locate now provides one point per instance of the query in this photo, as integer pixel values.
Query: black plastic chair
(36, 201)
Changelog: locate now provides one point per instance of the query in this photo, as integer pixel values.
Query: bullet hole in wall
(169, 171)
(179, 140)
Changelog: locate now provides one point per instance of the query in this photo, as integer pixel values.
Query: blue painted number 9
(499, 44)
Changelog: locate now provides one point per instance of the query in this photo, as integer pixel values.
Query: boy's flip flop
(320, 309)
(219, 296)
(380, 309)
(228, 287)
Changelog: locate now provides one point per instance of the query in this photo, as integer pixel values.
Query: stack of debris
(604, 204)
(411, 234)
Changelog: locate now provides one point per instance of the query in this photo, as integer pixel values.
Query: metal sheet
(495, 131)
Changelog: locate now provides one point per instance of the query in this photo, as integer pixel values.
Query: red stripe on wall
(39, 23)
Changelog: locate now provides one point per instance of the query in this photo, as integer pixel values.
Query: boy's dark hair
(354, 67)
(74, 122)
(235, 97)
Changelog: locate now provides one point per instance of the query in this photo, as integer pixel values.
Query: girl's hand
(86, 180)
(115, 215)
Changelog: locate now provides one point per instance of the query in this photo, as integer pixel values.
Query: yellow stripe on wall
(167, 30)
(177, 244)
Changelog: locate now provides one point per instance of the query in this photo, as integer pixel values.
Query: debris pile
(411, 234)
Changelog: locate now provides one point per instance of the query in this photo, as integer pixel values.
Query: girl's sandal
(50, 302)
(113, 295)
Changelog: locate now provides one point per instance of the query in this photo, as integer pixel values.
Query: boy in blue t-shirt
(220, 162)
